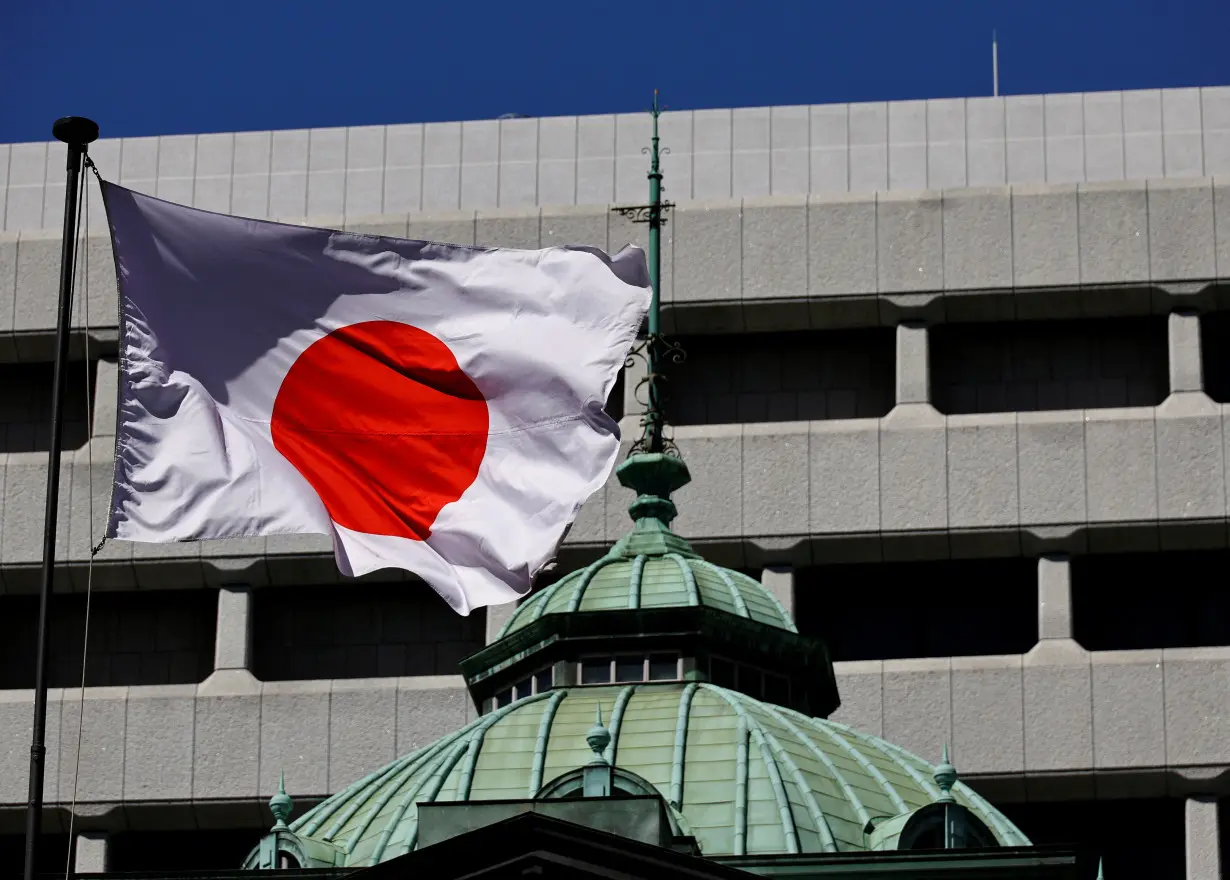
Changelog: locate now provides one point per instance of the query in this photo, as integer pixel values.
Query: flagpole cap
(75, 131)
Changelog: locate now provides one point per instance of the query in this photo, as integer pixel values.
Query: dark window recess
(1215, 355)
(942, 608)
(776, 689)
(1133, 601)
(52, 854)
(596, 670)
(147, 637)
(360, 631)
(722, 672)
(781, 377)
(1140, 839)
(663, 667)
(751, 682)
(629, 669)
(182, 850)
(25, 406)
(1223, 825)
(1025, 366)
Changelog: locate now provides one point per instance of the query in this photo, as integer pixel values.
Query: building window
(144, 637)
(195, 850)
(538, 683)
(936, 608)
(782, 377)
(1134, 601)
(663, 667)
(1215, 355)
(1027, 366)
(359, 631)
(630, 668)
(25, 406)
(756, 683)
(1137, 838)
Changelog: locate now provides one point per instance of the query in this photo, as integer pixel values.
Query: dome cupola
(651, 609)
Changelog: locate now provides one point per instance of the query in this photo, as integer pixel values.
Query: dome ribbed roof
(747, 777)
(651, 566)
(621, 581)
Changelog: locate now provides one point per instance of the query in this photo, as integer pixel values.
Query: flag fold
(437, 408)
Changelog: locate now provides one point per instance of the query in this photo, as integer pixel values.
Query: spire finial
(652, 440)
(945, 778)
(281, 804)
(1100, 868)
(654, 469)
(598, 737)
(654, 348)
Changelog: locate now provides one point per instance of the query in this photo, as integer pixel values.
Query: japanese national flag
(431, 407)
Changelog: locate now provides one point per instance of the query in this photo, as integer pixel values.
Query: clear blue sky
(143, 67)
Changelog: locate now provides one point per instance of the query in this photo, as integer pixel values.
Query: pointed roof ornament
(945, 778)
(281, 804)
(654, 469)
(598, 776)
(1100, 868)
(598, 737)
(655, 349)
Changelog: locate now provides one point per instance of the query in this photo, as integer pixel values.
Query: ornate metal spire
(654, 468)
(655, 349)
(654, 417)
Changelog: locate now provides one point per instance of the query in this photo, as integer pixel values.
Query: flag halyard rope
(83, 220)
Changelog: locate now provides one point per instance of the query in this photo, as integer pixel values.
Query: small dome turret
(651, 609)
(651, 566)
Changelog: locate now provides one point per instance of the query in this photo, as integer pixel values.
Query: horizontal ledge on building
(782, 263)
(297, 570)
(145, 739)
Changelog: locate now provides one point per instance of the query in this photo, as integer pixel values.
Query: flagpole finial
(75, 131)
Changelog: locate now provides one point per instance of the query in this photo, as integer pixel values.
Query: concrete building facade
(957, 391)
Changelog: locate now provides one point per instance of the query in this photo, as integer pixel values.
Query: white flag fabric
(431, 407)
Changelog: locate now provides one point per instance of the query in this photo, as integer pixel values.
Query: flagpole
(77, 132)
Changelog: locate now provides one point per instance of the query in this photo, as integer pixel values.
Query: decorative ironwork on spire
(656, 351)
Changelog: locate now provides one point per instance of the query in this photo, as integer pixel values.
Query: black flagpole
(77, 132)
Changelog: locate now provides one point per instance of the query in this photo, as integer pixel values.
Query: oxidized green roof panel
(746, 776)
(617, 582)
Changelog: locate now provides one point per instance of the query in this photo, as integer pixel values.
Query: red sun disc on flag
(384, 424)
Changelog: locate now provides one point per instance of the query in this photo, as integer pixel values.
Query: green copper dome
(743, 776)
(652, 567)
(623, 581)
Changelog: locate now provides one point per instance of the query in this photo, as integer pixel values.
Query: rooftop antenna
(994, 65)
